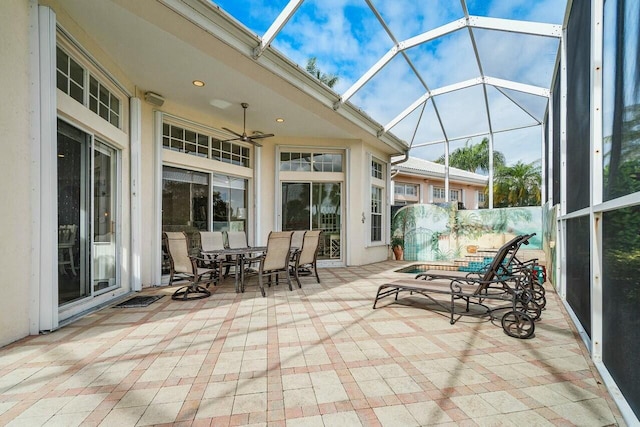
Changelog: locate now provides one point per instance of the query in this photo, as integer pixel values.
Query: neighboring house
(422, 181)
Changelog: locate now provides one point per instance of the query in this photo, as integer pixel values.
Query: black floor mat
(139, 301)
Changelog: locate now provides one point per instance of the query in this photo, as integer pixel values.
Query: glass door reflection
(73, 221)
(315, 206)
(104, 218)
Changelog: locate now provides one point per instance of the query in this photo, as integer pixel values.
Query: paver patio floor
(317, 356)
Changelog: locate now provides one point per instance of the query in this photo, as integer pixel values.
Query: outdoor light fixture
(280, 120)
(198, 83)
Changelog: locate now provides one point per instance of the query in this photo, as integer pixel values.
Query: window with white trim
(178, 138)
(439, 193)
(310, 162)
(481, 197)
(454, 195)
(377, 201)
(73, 79)
(404, 189)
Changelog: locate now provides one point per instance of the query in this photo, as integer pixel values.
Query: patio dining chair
(214, 241)
(304, 260)
(184, 264)
(66, 246)
(275, 260)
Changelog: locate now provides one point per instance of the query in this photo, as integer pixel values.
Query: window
(376, 169)
(228, 152)
(377, 201)
(454, 195)
(71, 78)
(481, 197)
(438, 193)
(199, 144)
(406, 189)
(310, 162)
(185, 199)
(376, 214)
(295, 162)
(229, 203)
(103, 102)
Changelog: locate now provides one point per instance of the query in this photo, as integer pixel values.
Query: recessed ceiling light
(198, 83)
(280, 120)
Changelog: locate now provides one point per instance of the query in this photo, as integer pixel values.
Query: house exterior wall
(468, 192)
(17, 261)
(22, 255)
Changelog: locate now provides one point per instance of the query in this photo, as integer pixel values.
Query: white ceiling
(166, 60)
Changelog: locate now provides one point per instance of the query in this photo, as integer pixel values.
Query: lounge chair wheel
(518, 324)
(537, 287)
(539, 299)
(531, 308)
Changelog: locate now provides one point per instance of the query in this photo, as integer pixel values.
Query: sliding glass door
(315, 206)
(87, 215)
(105, 248)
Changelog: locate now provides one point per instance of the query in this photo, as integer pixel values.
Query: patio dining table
(241, 254)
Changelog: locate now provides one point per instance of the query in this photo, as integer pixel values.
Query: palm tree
(328, 79)
(474, 157)
(518, 185)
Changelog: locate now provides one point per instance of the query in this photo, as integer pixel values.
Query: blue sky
(346, 39)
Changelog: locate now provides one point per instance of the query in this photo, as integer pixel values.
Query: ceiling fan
(244, 137)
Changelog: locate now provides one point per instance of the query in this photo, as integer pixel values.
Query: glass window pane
(76, 92)
(62, 61)
(104, 111)
(93, 86)
(115, 104)
(578, 100)
(185, 200)
(296, 206)
(579, 270)
(62, 83)
(76, 72)
(104, 95)
(621, 299)
(177, 132)
(621, 99)
(229, 203)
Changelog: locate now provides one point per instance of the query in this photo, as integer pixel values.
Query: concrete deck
(317, 356)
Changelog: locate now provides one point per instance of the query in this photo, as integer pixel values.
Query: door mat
(140, 301)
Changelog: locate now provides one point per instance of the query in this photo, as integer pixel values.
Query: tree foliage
(474, 157)
(518, 185)
(312, 68)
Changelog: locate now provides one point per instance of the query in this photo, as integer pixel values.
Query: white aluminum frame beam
(498, 83)
(369, 74)
(276, 26)
(473, 135)
(515, 26)
(520, 87)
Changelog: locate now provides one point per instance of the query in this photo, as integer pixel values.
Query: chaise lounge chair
(512, 291)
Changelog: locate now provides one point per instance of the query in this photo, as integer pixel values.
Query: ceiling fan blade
(266, 135)
(256, 143)
(233, 132)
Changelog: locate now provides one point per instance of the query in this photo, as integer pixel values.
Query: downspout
(395, 172)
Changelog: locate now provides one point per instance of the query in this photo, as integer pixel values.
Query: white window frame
(380, 183)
